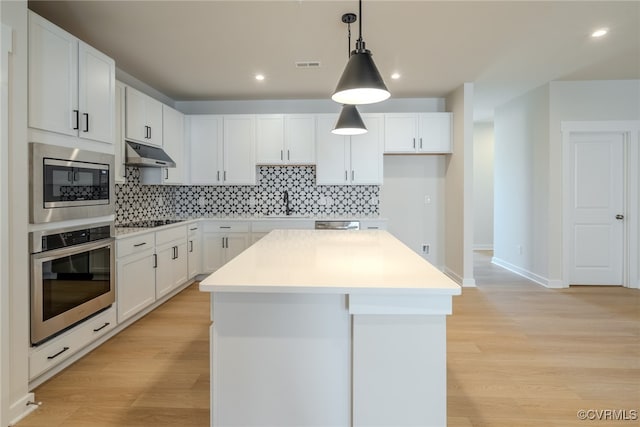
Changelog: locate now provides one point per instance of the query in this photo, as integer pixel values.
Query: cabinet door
(153, 115)
(136, 283)
(366, 152)
(435, 132)
(270, 139)
(213, 251)
(119, 144)
(96, 94)
(53, 77)
(180, 269)
(400, 133)
(331, 155)
(205, 143)
(236, 243)
(164, 271)
(239, 150)
(300, 139)
(135, 112)
(194, 255)
(173, 144)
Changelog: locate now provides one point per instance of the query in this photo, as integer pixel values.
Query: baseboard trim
(22, 408)
(466, 283)
(543, 281)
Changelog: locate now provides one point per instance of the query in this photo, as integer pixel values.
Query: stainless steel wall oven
(67, 183)
(72, 277)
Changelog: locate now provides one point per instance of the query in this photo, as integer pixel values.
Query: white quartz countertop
(330, 261)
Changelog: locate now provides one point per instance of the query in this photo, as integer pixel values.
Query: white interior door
(597, 208)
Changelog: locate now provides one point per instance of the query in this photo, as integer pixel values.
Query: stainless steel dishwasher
(337, 225)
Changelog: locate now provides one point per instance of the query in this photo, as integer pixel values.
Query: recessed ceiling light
(395, 76)
(260, 77)
(599, 32)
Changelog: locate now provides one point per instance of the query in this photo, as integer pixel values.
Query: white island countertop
(330, 261)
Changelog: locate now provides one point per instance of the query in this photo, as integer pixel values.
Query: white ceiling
(211, 50)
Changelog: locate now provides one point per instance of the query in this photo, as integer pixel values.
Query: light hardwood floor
(519, 355)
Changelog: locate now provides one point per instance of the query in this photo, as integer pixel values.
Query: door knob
(619, 216)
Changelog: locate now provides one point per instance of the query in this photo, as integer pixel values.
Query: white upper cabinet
(239, 150)
(355, 160)
(417, 133)
(71, 84)
(222, 149)
(120, 173)
(173, 142)
(143, 118)
(284, 139)
(205, 143)
(173, 145)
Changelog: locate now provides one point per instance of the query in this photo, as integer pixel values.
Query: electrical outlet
(425, 248)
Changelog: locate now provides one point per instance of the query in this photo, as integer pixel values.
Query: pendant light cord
(348, 40)
(359, 43)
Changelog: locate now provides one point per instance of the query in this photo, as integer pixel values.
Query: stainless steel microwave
(67, 183)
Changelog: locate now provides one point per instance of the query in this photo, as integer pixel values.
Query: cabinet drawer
(377, 224)
(61, 348)
(267, 225)
(132, 245)
(171, 234)
(192, 229)
(226, 227)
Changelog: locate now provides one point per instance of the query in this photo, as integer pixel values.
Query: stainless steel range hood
(147, 156)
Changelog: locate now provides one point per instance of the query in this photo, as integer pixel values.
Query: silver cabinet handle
(190, 245)
(620, 217)
(166, 173)
(155, 261)
(414, 143)
(137, 245)
(224, 175)
(345, 175)
(218, 176)
(281, 155)
(288, 155)
(421, 143)
(353, 175)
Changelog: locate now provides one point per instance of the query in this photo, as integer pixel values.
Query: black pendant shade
(361, 82)
(349, 122)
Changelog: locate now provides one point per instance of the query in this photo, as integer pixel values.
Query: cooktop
(150, 223)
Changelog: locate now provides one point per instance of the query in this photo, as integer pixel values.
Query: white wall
(483, 185)
(528, 168)
(14, 14)
(521, 184)
(407, 180)
(573, 101)
(459, 189)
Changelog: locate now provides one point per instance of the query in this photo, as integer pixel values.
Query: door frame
(630, 130)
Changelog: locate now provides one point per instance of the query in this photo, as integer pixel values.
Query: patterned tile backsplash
(139, 202)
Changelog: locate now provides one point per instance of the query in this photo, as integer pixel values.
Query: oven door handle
(72, 250)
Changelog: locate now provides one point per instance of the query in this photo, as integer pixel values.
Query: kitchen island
(328, 328)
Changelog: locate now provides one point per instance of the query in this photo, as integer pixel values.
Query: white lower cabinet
(194, 250)
(53, 352)
(223, 241)
(135, 274)
(171, 253)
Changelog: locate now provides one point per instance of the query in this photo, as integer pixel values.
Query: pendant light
(349, 122)
(361, 82)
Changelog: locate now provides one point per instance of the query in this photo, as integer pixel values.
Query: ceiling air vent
(308, 64)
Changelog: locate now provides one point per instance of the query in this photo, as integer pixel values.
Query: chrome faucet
(287, 208)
